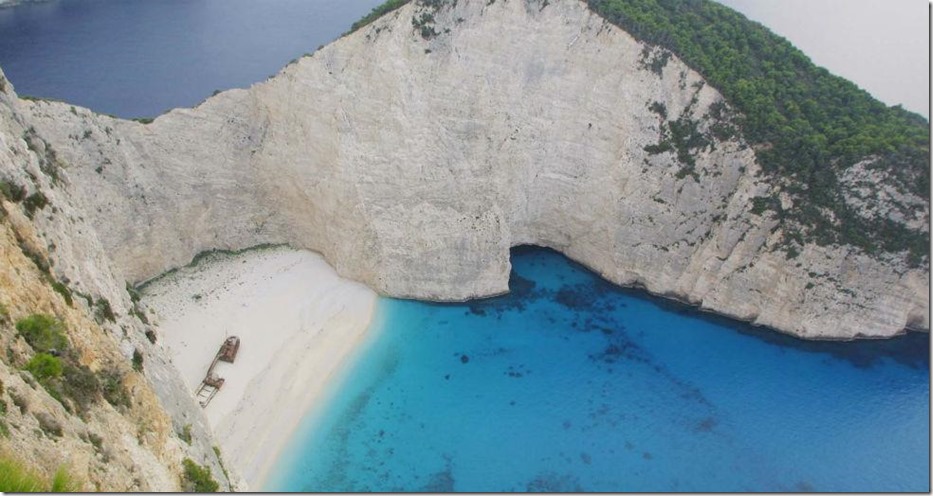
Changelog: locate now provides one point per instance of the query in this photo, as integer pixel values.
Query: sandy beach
(297, 321)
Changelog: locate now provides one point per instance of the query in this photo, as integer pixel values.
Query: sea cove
(325, 207)
(572, 384)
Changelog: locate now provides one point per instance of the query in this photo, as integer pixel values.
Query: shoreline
(314, 414)
(298, 323)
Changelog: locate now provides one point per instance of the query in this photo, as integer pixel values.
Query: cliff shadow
(911, 349)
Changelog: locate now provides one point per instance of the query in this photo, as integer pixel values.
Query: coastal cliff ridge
(416, 151)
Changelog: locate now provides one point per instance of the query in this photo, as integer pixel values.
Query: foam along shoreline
(298, 322)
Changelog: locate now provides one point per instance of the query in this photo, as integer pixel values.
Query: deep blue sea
(140, 58)
(571, 384)
(566, 384)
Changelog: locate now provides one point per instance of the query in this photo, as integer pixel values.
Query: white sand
(297, 321)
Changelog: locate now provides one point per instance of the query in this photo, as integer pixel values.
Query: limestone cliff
(118, 417)
(414, 152)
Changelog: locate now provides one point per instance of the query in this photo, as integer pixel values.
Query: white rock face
(414, 165)
(64, 232)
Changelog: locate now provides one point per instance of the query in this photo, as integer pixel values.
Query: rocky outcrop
(139, 422)
(416, 151)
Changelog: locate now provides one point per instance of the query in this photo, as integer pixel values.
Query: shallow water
(571, 384)
(139, 58)
(568, 383)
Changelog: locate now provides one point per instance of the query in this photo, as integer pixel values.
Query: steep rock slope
(110, 427)
(416, 151)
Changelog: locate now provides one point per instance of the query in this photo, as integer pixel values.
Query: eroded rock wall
(416, 151)
(50, 234)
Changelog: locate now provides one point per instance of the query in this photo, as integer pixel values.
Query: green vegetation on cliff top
(378, 12)
(807, 125)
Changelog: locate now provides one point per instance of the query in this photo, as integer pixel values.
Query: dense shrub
(111, 383)
(185, 434)
(44, 367)
(64, 291)
(62, 376)
(81, 385)
(141, 315)
(33, 202)
(133, 292)
(12, 191)
(104, 311)
(17, 478)
(198, 479)
(43, 332)
(137, 361)
(63, 482)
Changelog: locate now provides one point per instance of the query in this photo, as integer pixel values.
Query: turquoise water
(568, 383)
(571, 384)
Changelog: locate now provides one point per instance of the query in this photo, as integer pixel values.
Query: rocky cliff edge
(416, 151)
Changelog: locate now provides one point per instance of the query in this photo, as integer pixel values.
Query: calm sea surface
(567, 383)
(571, 384)
(139, 58)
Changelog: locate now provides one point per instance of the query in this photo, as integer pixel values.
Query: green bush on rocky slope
(15, 477)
